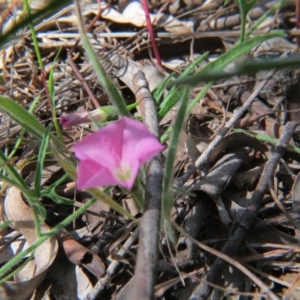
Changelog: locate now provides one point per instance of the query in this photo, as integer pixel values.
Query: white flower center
(123, 172)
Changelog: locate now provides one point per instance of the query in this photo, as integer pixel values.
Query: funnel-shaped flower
(74, 119)
(97, 115)
(114, 154)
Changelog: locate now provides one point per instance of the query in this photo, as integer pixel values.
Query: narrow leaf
(12, 173)
(252, 67)
(100, 195)
(54, 185)
(38, 207)
(25, 190)
(245, 6)
(105, 81)
(268, 13)
(59, 200)
(160, 89)
(167, 199)
(20, 137)
(24, 118)
(226, 58)
(40, 162)
(176, 92)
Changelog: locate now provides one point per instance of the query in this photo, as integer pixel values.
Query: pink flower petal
(90, 175)
(114, 154)
(104, 146)
(78, 118)
(139, 142)
(73, 119)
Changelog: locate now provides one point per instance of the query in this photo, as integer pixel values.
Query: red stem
(151, 33)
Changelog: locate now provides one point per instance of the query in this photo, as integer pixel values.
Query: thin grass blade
(252, 67)
(175, 93)
(52, 95)
(59, 200)
(226, 58)
(40, 161)
(167, 199)
(24, 118)
(20, 137)
(244, 6)
(161, 87)
(25, 190)
(268, 13)
(105, 81)
(12, 173)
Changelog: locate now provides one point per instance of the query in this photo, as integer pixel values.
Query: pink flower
(98, 115)
(74, 119)
(114, 154)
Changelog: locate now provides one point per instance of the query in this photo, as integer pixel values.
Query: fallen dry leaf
(27, 280)
(66, 280)
(134, 14)
(80, 255)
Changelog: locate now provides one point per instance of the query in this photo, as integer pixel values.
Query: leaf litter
(211, 203)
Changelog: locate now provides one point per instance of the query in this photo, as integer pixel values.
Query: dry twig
(145, 269)
(102, 283)
(237, 114)
(231, 248)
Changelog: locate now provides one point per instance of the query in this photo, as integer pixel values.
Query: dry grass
(213, 214)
